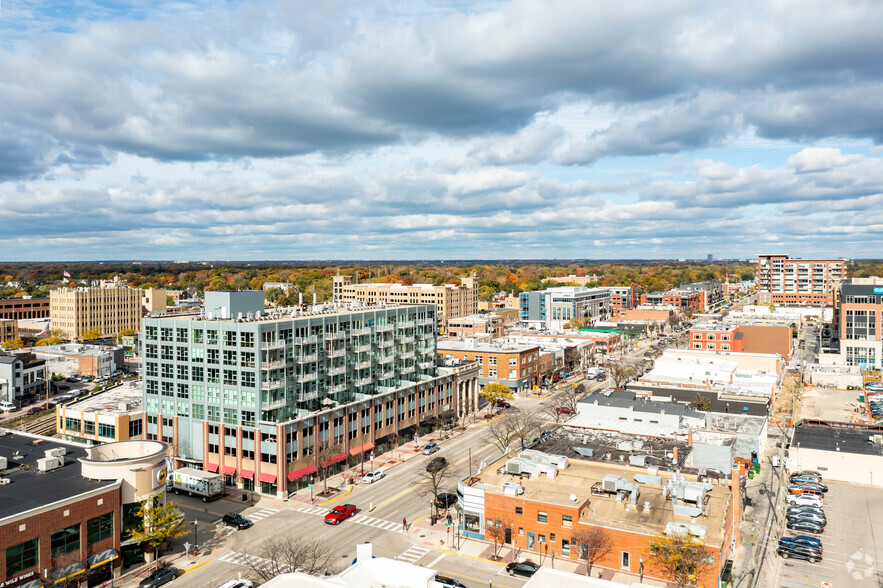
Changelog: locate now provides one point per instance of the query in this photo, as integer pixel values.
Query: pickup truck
(339, 513)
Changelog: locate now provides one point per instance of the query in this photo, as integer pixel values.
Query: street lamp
(195, 536)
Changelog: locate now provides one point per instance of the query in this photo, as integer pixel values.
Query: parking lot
(853, 551)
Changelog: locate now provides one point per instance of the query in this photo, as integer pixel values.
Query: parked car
(7, 406)
(804, 499)
(817, 486)
(159, 577)
(339, 513)
(446, 500)
(807, 473)
(801, 540)
(522, 568)
(437, 463)
(238, 584)
(799, 552)
(234, 519)
(564, 410)
(34, 410)
(799, 478)
(801, 490)
(446, 581)
(796, 510)
(805, 526)
(807, 516)
(53, 402)
(502, 404)
(372, 477)
(430, 448)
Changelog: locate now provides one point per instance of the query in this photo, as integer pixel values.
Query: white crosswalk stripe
(358, 519)
(260, 514)
(413, 553)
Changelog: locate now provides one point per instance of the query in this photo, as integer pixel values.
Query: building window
(565, 548)
(542, 517)
(21, 557)
(65, 540)
(541, 538)
(567, 521)
(99, 528)
(518, 510)
(106, 431)
(492, 360)
(625, 560)
(135, 426)
(551, 537)
(492, 373)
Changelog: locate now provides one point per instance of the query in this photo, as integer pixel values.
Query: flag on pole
(45, 330)
(66, 275)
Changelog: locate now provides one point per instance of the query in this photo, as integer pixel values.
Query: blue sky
(442, 130)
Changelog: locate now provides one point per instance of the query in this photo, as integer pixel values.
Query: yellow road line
(407, 490)
(339, 497)
(491, 421)
(197, 566)
(475, 557)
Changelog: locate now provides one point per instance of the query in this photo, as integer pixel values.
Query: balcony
(407, 355)
(267, 345)
(386, 375)
(274, 403)
(426, 335)
(272, 384)
(362, 365)
(407, 340)
(363, 381)
(336, 353)
(311, 358)
(335, 336)
(362, 348)
(406, 325)
(384, 344)
(337, 388)
(272, 365)
(407, 370)
(335, 371)
(307, 395)
(385, 359)
(425, 322)
(362, 331)
(384, 328)
(306, 340)
(310, 377)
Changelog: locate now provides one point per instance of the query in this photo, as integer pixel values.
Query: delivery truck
(194, 482)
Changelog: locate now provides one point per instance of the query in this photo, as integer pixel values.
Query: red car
(34, 410)
(564, 410)
(338, 513)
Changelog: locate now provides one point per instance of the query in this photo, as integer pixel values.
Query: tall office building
(782, 280)
(107, 310)
(450, 300)
(554, 307)
(257, 396)
(860, 312)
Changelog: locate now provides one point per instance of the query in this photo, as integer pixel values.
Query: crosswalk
(413, 553)
(261, 514)
(240, 559)
(359, 519)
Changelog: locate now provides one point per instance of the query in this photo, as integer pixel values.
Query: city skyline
(439, 130)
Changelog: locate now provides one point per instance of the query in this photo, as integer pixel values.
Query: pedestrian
(404, 524)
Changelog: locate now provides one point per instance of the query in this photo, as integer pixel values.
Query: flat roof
(29, 488)
(78, 349)
(578, 479)
(839, 439)
(454, 345)
(275, 315)
(109, 401)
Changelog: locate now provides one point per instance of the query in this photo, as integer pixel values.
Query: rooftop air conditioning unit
(47, 464)
(5, 481)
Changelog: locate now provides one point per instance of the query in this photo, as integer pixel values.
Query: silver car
(430, 448)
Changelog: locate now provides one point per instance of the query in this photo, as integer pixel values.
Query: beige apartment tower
(783, 280)
(450, 300)
(108, 310)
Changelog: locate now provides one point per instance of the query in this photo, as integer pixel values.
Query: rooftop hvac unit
(47, 464)
(2, 463)
(56, 452)
(5, 481)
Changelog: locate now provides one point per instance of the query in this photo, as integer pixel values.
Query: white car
(6, 406)
(371, 477)
(802, 499)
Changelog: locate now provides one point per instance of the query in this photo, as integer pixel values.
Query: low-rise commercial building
(8, 330)
(738, 338)
(68, 359)
(684, 301)
(551, 309)
(513, 364)
(23, 377)
(711, 294)
(844, 454)
(622, 298)
(115, 414)
(490, 325)
(65, 513)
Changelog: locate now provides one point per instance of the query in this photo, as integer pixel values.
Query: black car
(522, 568)
(815, 486)
(810, 554)
(446, 581)
(234, 519)
(446, 500)
(159, 577)
(805, 526)
(436, 464)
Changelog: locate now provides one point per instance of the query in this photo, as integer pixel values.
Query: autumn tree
(496, 392)
(593, 543)
(495, 530)
(125, 333)
(12, 344)
(681, 557)
(580, 322)
(159, 522)
(90, 335)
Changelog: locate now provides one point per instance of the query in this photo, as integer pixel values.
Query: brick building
(71, 505)
(541, 501)
(476, 324)
(24, 308)
(8, 330)
(782, 280)
(745, 338)
(684, 301)
(515, 365)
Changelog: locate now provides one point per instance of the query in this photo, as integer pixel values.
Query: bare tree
(497, 533)
(286, 553)
(551, 409)
(322, 459)
(593, 544)
(524, 425)
(499, 433)
(621, 373)
(434, 476)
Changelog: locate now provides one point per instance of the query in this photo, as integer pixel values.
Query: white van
(6, 406)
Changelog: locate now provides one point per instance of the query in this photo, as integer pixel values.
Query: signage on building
(878, 289)
(159, 476)
(15, 581)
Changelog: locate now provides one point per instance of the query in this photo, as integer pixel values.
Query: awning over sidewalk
(31, 584)
(102, 558)
(267, 478)
(354, 451)
(246, 474)
(62, 574)
(335, 459)
(310, 469)
(211, 467)
(228, 470)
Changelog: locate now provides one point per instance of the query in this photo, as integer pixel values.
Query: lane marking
(436, 560)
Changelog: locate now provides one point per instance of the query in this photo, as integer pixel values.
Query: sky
(431, 129)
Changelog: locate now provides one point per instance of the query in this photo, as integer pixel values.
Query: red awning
(246, 474)
(335, 459)
(211, 467)
(310, 469)
(228, 470)
(361, 449)
(268, 478)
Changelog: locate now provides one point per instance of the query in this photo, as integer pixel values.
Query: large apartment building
(258, 397)
(107, 310)
(554, 307)
(450, 300)
(686, 301)
(782, 280)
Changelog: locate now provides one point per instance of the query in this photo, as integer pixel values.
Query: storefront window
(267, 488)
(472, 522)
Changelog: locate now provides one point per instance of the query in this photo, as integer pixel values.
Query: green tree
(159, 522)
(680, 557)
